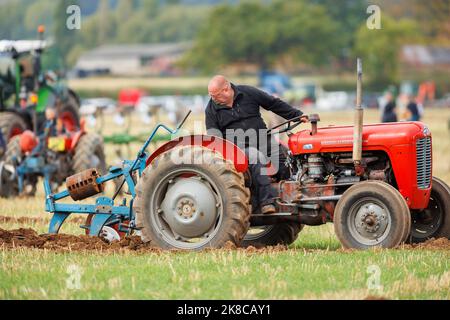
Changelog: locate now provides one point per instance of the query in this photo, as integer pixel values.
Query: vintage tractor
(26, 90)
(373, 182)
(54, 155)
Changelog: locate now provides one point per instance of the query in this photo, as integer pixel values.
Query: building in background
(132, 60)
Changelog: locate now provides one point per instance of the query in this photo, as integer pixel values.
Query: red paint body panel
(73, 140)
(227, 149)
(397, 140)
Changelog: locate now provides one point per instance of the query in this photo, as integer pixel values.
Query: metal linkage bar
(104, 210)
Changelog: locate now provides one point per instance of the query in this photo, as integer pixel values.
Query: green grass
(298, 273)
(314, 267)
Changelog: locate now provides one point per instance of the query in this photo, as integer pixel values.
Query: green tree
(124, 11)
(262, 33)
(150, 8)
(12, 20)
(64, 38)
(380, 49)
(37, 14)
(105, 22)
(434, 17)
(348, 15)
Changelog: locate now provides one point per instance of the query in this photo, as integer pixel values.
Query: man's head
(220, 90)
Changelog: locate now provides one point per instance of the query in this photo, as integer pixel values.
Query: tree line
(312, 33)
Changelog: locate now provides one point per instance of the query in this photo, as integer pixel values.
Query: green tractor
(26, 90)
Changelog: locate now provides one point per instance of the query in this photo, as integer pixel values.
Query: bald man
(235, 109)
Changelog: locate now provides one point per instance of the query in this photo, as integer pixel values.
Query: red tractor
(388, 198)
(373, 182)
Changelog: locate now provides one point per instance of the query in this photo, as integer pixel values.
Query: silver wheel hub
(189, 208)
(186, 208)
(369, 221)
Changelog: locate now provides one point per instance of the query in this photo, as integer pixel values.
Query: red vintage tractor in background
(373, 182)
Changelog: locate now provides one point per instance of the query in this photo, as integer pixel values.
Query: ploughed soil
(29, 238)
(29, 220)
(431, 244)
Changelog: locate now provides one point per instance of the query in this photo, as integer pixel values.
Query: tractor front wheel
(434, 221)
(371, 214)
(190, 198)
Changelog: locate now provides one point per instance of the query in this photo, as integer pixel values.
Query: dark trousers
(262, 191)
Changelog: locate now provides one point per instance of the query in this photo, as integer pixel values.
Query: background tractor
(373, 182)
(26, 90)
(54, 154)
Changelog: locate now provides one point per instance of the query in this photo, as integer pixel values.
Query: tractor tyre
(190, 198)
(8, 177)
(272, 235)
(407, 228)
(11, 125)
(89, 153)
(434, 221)
(69, 114)
(371, 214)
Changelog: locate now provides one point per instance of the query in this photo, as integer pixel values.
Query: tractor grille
(423, 154)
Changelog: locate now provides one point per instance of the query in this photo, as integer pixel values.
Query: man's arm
(211, 123)
(274, 104)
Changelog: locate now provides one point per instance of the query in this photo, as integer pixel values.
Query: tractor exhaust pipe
(358, 123)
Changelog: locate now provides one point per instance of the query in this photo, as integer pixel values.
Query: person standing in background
(388, 113)
(412, 112)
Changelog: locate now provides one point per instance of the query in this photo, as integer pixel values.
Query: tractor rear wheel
(272, 235)
(8, 176)
(190, 198)
(89, 153)
(11, 125)
(371, 214)
(9, 185)
(434, 221)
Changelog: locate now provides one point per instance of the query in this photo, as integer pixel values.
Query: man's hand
(304, 118)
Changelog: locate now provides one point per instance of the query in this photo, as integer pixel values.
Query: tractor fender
(227, 149)
(75, 138)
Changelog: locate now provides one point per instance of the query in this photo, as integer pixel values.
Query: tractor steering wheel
(291, 124)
